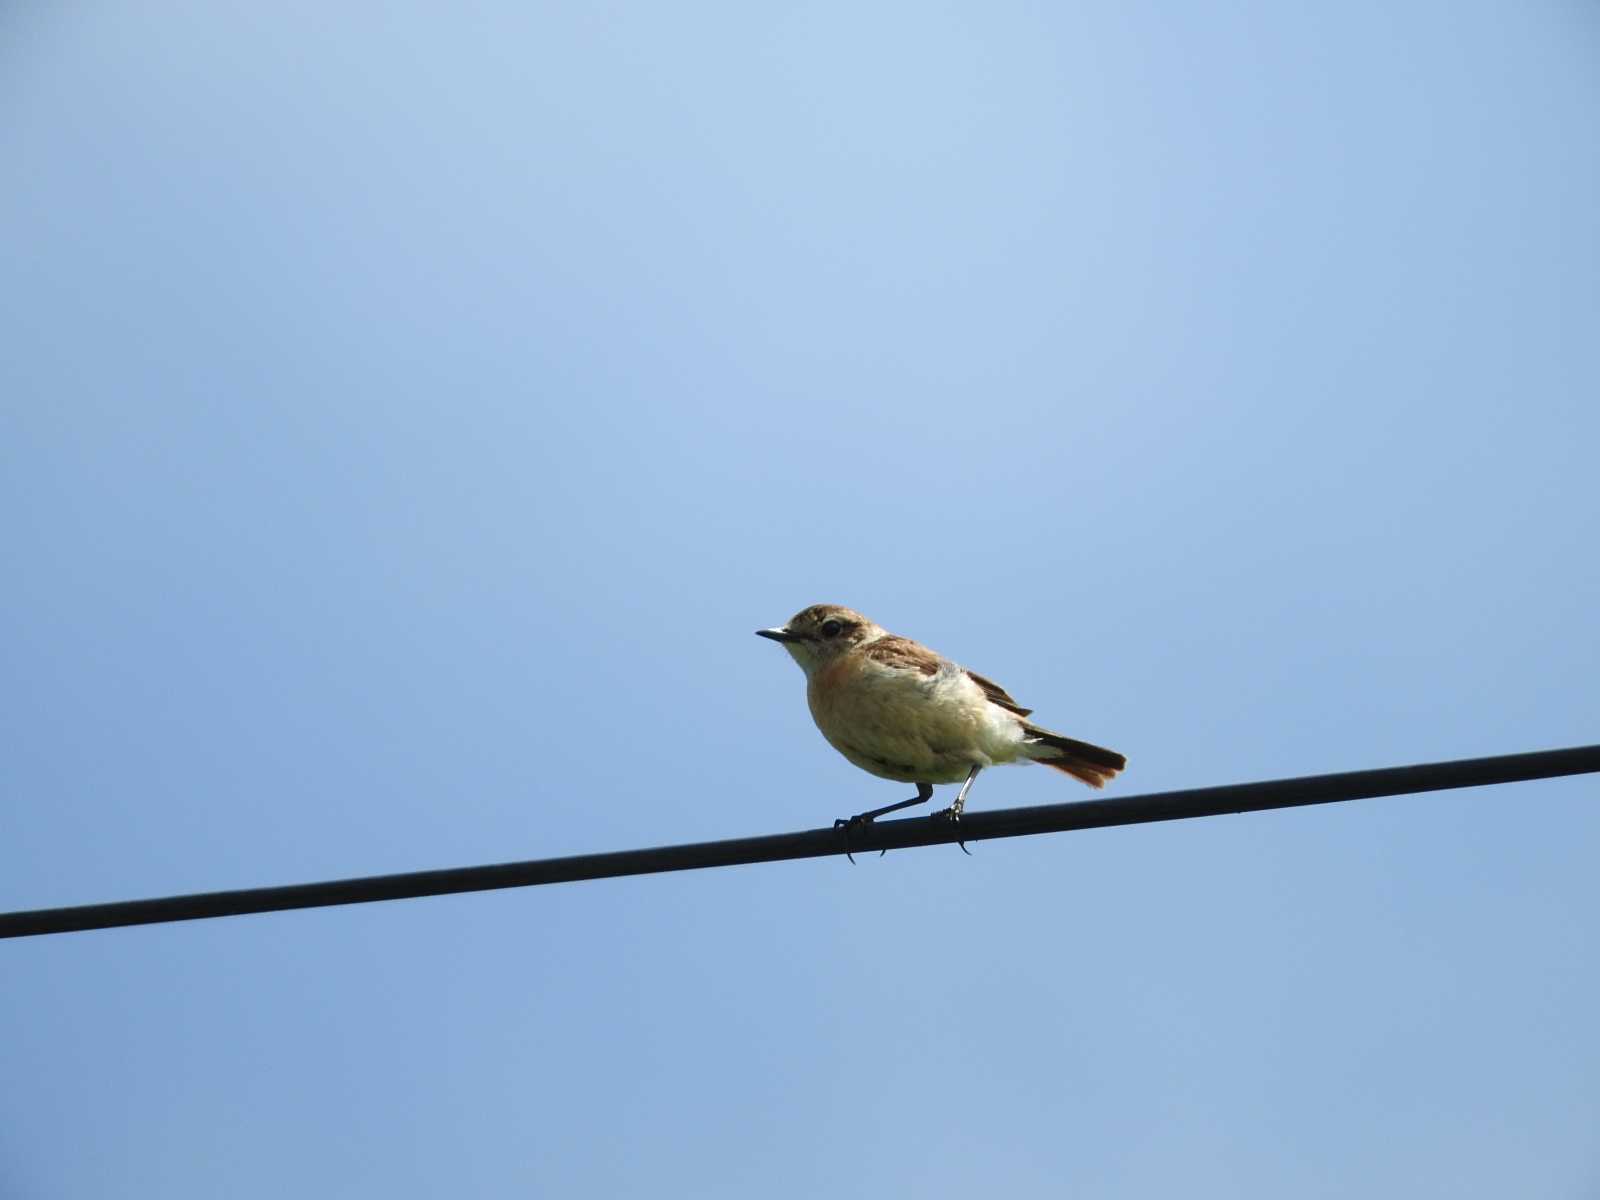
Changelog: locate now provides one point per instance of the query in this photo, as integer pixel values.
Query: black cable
(815, 843)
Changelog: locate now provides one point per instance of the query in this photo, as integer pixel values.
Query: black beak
(778, 635)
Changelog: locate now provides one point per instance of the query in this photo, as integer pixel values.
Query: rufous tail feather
(1092, 764)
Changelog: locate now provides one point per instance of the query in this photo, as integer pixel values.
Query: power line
(816, 843)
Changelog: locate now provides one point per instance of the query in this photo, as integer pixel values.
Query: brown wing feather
(906, 655)
(997, 694)
(903, 654)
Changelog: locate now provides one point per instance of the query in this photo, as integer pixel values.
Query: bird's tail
(1092, 764)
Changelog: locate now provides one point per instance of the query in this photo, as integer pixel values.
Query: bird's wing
(902, 654)
(997, 694)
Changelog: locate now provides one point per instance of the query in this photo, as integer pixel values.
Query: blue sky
(407, 414)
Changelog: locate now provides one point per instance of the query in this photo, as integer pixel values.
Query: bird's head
(817, 635)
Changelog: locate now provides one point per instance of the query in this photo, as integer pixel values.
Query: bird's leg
(924, 794)
(953, 813)
(961, 796)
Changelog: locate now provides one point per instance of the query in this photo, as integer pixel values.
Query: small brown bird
(900, 711)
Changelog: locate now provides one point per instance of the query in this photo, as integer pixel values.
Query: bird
(901, 711)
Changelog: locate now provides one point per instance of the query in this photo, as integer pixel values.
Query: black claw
(844, 823)
(951, 815)
(849, 823)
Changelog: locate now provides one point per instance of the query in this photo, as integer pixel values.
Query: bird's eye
(831, 628)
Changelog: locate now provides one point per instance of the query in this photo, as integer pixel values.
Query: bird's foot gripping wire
(846, 824)
(953, 815)
(924, 794)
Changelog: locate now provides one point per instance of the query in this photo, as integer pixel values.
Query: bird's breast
(853, 690)
(899, 723)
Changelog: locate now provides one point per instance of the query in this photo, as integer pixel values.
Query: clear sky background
(407, 413)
